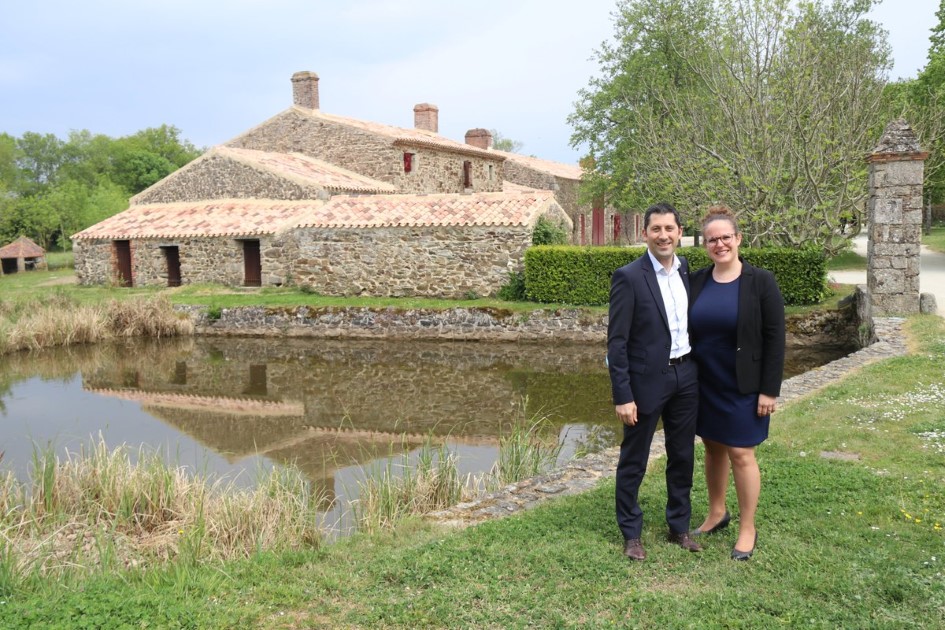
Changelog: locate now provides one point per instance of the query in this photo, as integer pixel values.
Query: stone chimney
(479, 138)
(426, 116)
(305, 90)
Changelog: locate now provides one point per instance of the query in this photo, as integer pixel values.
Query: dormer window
(467, 174)
(408, 162)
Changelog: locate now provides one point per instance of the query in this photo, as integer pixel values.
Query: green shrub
(514, 289)
(547, 232)
(581, 275)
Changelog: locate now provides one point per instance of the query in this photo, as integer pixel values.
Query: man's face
(662, 235)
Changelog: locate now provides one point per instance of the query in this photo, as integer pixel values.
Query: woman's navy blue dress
(725, 415)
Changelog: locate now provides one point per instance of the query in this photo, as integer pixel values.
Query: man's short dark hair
(661, 208)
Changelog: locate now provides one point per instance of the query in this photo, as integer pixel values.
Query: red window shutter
(408, 162)
(467, 174)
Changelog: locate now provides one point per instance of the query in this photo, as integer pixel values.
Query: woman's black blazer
(759, 359)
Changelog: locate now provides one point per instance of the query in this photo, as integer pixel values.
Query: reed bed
(57, 319)
(528, 449)
(98, 510)
(400, 489)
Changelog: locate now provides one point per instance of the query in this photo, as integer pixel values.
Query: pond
(337, 409)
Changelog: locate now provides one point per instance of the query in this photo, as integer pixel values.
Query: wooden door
(597, 227)
(123, 262)
(252, 264)
(172, 256)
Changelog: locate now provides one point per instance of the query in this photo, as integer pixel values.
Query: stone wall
(470, 324)
(371, 154)
(473, 324)
(567, 195)
(445, 261)
(219, 177)
(211, 260)
(93, 262)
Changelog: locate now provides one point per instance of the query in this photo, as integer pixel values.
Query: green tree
(50, 189)
(8, 167)
(766, 105)
(501, 143)
(38, 158)
(921, 102)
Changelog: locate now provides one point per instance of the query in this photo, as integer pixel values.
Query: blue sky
(215, 69)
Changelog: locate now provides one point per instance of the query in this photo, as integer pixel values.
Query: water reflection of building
(325, 405)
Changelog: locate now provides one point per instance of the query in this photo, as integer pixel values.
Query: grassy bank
(101, 511)
(851, 535)
(936, 240)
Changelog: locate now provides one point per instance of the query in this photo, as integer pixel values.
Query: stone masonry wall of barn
(409, 261)
(213, 260)
(372, 155)
(217, 177)
(567, 195)
(566, 191)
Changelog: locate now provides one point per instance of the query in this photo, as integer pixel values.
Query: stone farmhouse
(342, 206)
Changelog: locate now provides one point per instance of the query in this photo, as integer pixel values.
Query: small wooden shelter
(21, 255)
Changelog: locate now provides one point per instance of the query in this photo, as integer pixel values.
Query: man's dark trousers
(678, 407)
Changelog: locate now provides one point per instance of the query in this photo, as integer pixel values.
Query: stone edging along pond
(464, 323)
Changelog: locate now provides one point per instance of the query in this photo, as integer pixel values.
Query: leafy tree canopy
(768, 106)
(50, 188)
(501, 143)
(921, 101)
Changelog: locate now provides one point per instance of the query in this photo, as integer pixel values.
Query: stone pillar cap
(898, 140)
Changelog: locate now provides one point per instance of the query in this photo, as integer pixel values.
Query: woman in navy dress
(736, 327)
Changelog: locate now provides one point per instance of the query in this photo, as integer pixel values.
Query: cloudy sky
(215, 69)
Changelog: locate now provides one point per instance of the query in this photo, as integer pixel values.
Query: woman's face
(721, 241)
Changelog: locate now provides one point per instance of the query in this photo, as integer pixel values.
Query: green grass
(844, 543)
(60, 260)
(36, 284)
(846, 261)
(936, 240)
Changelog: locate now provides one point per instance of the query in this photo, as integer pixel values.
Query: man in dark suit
(651, 375)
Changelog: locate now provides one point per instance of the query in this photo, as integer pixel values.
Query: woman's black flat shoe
(722, 524)
(745, 555)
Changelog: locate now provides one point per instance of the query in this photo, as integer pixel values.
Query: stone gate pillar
(894, 212)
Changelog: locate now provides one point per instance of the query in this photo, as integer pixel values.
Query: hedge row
(581, 275)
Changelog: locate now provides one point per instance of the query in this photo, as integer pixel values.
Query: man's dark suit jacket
(638, 338)
(759, 359)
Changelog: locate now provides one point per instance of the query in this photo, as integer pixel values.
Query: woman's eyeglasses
(725, 239)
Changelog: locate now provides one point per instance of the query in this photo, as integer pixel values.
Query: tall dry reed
(101, 509)
(400, 488)
(60, 320)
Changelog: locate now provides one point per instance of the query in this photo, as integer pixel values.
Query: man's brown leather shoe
(633, 549)
(685, 541)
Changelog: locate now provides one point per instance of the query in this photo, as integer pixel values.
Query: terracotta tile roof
(512, 187)
(558, 169)
(402, 135)
(22, 248)
(195, 402)
(307, 170)
(219, 217)
(245, 217)
(498, 208)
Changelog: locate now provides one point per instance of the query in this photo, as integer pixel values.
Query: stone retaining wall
(470, 324)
